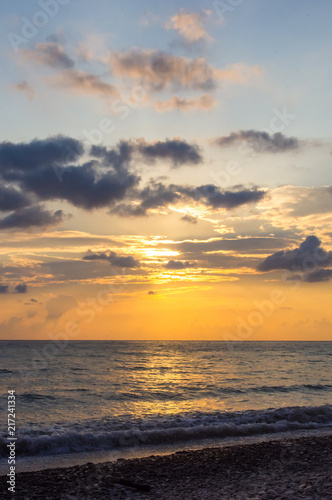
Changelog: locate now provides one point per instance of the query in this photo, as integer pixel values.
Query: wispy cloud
(204, 102)
(190, 25)
(159, 70)
(178, 265)
(50, 54)
(260, 141)
(82, 82)
(26, 88)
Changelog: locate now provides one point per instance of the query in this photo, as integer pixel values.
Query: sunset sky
(165, 170)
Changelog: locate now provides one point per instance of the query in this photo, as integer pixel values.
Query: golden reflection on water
(167, 381)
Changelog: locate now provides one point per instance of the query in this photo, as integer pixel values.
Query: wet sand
(284, 469)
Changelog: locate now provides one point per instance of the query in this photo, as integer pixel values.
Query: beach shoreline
(291, 468)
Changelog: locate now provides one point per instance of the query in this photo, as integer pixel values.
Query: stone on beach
(291, 469)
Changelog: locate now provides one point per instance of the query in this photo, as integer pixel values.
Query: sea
(81, 401)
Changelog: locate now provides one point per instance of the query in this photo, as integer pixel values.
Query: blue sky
(290, 41)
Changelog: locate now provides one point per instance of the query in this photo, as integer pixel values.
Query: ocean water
(86, 396)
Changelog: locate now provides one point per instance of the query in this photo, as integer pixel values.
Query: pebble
(242, 472)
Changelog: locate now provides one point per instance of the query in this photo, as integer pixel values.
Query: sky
(165, 170)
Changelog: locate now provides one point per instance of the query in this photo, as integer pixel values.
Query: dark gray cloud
(318, 276)
(32, 155)
(215, 198)
(113, 259)
(309, 255)
(31, 216)
(41, 167)
(155, 195)
(3, 289)
(178, 265)
(179, 152)
(158, 195)
(118, 157)
(21, 288)
(47, 170)
(82, 186)
(50, 53)
(260, 141)
(151, 292)
(12, 199)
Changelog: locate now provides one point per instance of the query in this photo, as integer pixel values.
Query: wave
(109, 434)
(30, 396)
(4, 370)
(210, 391)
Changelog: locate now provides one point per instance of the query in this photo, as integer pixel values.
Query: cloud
(153, 196)
(118, 156)
(34, 216)
(260, 141)
(205, 103)
(178, 151)
(58, 306)
(215, 198)
(78, 81)
(38, 153)
(151, 292)
(11, 199)
(189, 218)
(114, 259)
(83, 186)
(178, 265)
(219, 253)
(49, 170)
(238, 245)
(190, 25)
(3, 289)
(157, 195)
(308, 254)
(320, 275)
(127, 210)
(50, 54)
(25, 87)
(21, 288)
(157, 70)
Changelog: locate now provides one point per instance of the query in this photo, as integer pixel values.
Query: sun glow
(161, 252)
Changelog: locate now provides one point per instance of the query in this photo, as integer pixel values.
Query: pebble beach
(278, 469)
